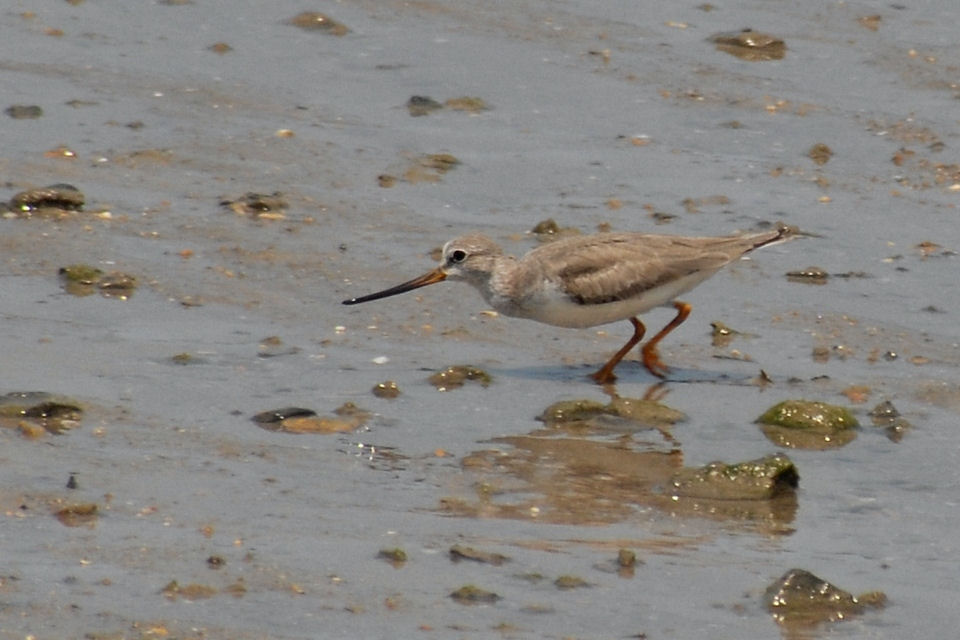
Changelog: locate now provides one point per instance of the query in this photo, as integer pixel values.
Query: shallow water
(599, 114)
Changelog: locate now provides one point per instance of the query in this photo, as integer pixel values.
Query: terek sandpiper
(585, 281)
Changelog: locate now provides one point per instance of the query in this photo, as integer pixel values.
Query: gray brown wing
(612, 267)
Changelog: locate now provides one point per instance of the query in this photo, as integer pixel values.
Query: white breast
(550, 305)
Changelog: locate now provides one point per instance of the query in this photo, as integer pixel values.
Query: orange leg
(605, 374)
(651, 360)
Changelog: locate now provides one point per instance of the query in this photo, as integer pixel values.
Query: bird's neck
(501, 286)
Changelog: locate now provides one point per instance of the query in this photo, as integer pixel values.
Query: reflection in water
(598, 464)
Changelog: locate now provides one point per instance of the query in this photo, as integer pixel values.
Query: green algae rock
(572, 411)
(803, 424)
(621, 414)
(759, 479)
(800, 599)
(81, 273)
(805, 414)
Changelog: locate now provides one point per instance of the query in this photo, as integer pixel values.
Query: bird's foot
(653, 363)
(604, 376)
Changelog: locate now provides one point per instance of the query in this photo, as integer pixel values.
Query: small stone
(751, 45)
(471, 594)
(467, 103)
(395, 555)
(566, 582)
(23, 111)
(820, 154)
(422, 105)
(456, 376)
(387, 389)
(316, 21)
(459, 552)
(810, 275)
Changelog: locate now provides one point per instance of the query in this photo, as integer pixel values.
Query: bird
(591, 280)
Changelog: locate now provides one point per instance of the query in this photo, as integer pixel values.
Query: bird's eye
(458, 256)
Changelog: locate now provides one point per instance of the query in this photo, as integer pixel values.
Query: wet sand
(623, 115)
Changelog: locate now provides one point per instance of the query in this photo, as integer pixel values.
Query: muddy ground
(184, 518)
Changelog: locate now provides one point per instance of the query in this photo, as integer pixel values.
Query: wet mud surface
(200, 441)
